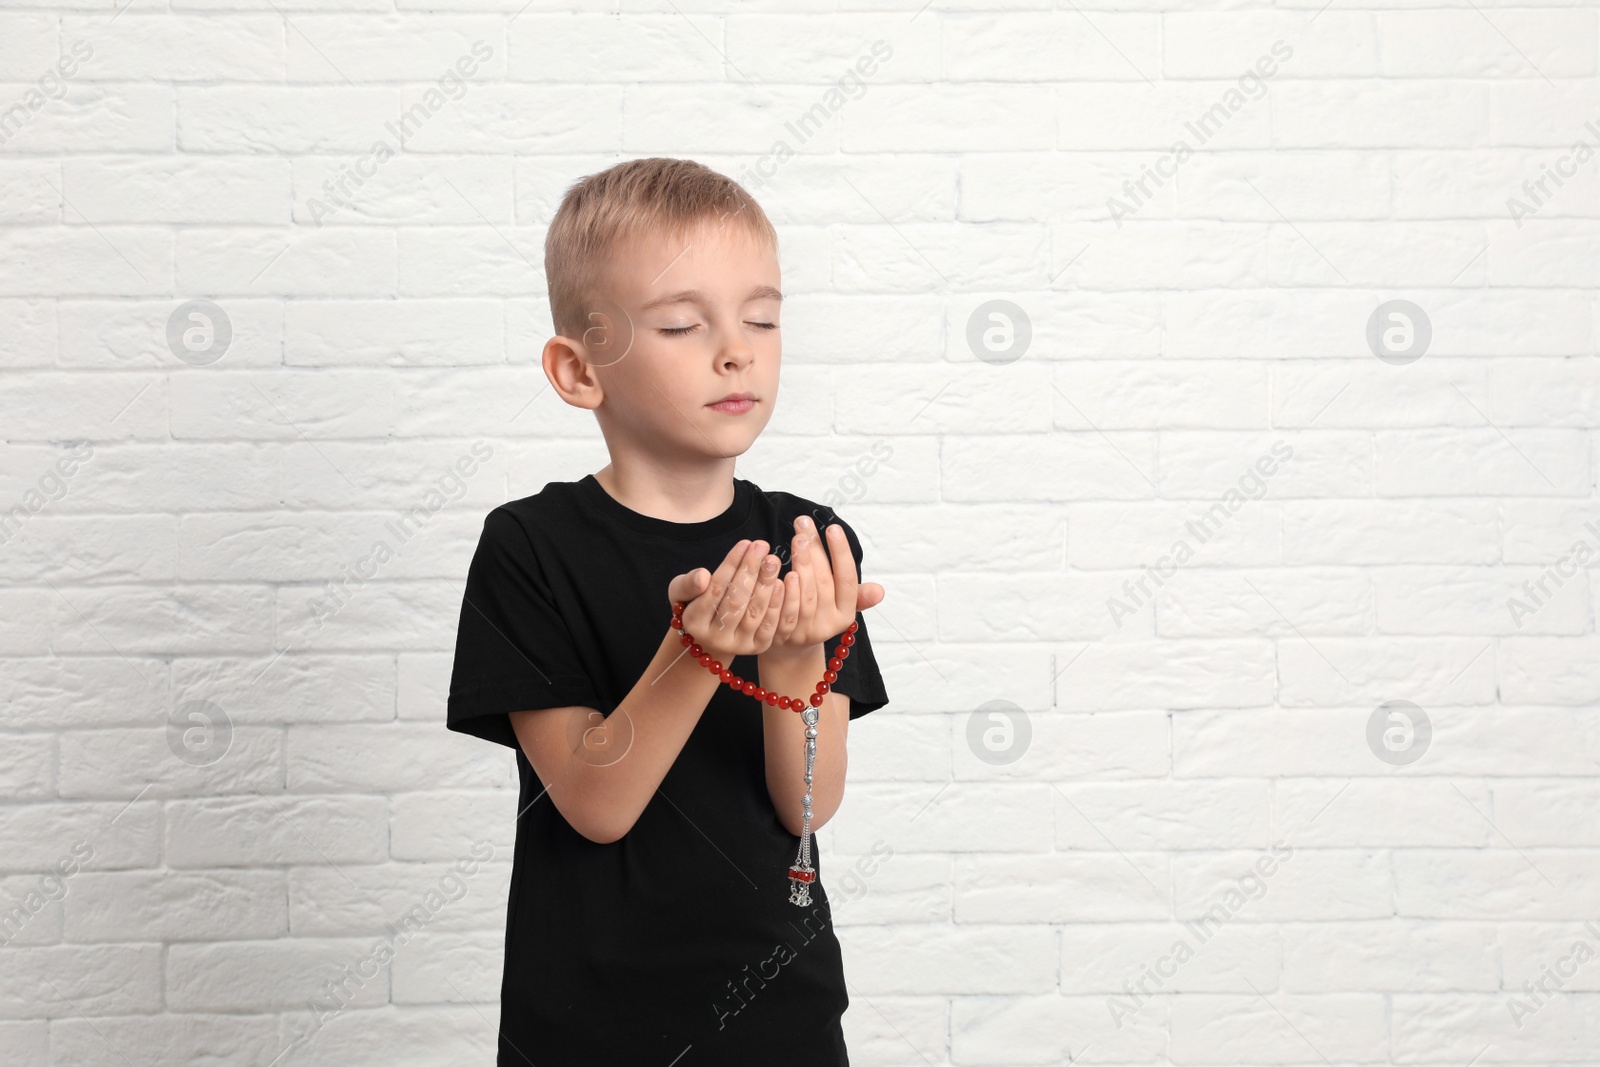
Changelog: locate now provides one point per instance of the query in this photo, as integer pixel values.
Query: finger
(760, 594)
(807, 544)
(869, 595)
(806, 571)
(760, 600)
(767, 632)
(844, 575)
(685, 587)
(791, 608)
(714, 585)
(726, 569)
(818, 579)
(740, 586)
(826, 558)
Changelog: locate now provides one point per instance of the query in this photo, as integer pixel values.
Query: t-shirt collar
(608, 507)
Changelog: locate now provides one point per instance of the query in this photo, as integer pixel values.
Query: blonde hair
(640, 195)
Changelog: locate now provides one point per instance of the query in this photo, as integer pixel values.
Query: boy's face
(703, 312)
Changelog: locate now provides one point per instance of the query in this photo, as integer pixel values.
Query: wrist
(792, 653)
(684, 654)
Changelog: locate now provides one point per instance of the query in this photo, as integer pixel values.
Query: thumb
(868, 594)
(686, 587)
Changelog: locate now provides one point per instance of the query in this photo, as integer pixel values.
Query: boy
(650, 919)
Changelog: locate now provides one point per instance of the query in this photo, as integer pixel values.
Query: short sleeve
(513, 652)
(859, 678)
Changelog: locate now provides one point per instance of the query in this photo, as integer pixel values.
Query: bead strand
(801, 873)
(749, 688)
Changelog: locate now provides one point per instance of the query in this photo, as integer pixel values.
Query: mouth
(734, 403)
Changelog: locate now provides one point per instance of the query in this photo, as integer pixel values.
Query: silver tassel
(802, 874)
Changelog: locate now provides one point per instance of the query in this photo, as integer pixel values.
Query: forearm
(613, 774)
(784, 738)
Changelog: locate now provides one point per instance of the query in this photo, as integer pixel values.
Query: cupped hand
(822, 591)
(734, 610)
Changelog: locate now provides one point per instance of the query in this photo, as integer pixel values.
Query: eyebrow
(695, 296)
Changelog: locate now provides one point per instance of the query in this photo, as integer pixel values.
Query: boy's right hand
(734, 610)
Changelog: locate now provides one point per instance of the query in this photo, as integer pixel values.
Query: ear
(571, 373)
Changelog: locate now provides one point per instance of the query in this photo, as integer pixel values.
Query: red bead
(749, 688)
(854, 627)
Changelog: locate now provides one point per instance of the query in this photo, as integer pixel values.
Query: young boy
(650, 920)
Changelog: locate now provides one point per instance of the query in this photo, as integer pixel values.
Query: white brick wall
(1203, 752)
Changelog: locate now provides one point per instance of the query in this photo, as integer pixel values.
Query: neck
(673, 494)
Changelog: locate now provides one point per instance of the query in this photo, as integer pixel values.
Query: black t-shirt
(680, 935)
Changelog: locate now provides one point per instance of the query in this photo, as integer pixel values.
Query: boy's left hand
(820, 597)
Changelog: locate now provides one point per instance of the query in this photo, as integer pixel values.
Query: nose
(736, 352)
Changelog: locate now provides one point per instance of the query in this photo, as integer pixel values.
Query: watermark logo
(1252, 885)
(1399, 732)
(339, 191)
(850, 86)
(600, 740)
(1399, 332)
(336, 595)
(852, 884)
(1252, 486)
(1204, 128)
(1558, 572)
(50, 487)
(852, 485)
(51, 887)
(608, 333)
(199, 733)
(999, 732)
(1539, 993)
(751, 982)
(340, 992)
(52, 85)
(999, 332)
(199, 332)
(1566, 166)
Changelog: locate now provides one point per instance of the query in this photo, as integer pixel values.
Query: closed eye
(678, 331)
